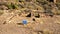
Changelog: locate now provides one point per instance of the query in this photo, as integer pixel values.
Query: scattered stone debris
(29, 15)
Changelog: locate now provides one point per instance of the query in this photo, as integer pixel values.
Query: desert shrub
(9, 6)
(12, 6)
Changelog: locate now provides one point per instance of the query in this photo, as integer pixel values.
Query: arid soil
(43, 16)
(11, 23)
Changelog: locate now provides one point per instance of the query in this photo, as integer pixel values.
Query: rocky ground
(43, 17)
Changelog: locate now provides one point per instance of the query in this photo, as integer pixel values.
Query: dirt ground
(12, 24)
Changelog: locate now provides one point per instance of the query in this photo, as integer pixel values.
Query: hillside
(42, 16)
